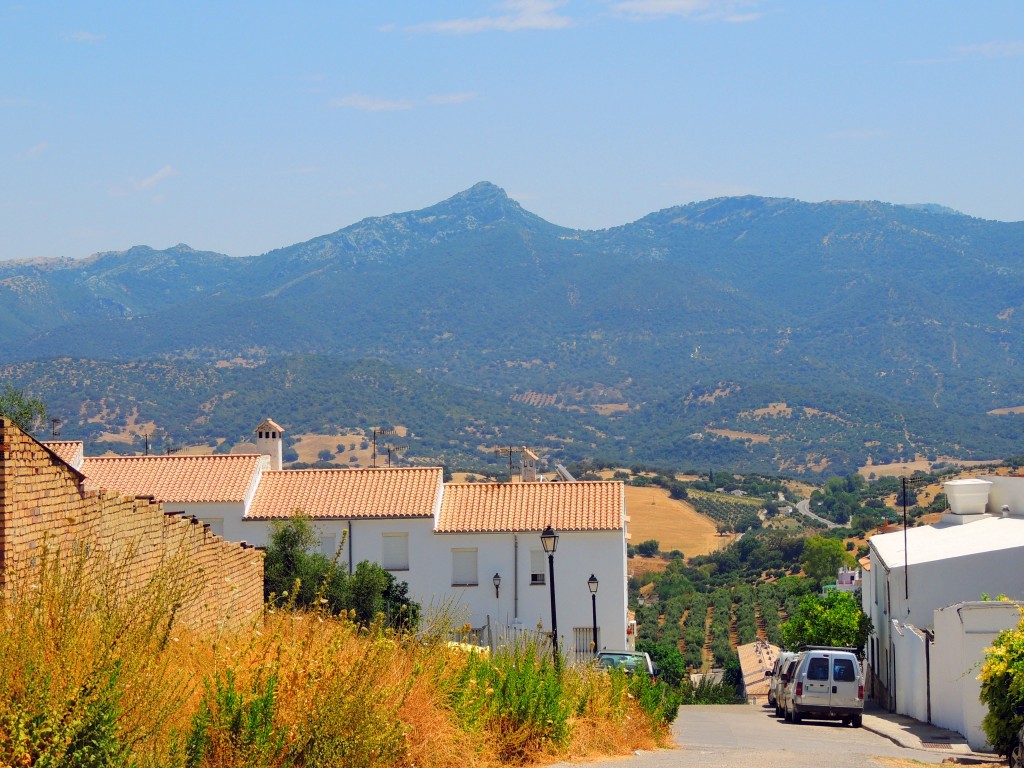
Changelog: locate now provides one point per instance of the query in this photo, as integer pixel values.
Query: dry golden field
(919, 463)
(308, 446)
(675, 524)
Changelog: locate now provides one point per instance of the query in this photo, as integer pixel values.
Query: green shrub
(517, 696)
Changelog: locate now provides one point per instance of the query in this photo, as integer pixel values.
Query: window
(464, 567)
(537, 566)
(817, 669)
(842, 671)
(394, 551)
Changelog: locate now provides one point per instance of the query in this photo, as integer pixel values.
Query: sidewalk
(913, 734)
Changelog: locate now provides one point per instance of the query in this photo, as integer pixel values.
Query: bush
(648, 548)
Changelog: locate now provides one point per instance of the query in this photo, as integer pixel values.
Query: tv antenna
(381, 432)
(55, 428)
(906, 483)
(509, 451)
(396, 449)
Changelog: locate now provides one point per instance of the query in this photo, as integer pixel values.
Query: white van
(827, 685)
(784, 689)
(775, 679)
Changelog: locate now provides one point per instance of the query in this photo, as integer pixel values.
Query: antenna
(509, 451)
(55, 428)
(396, 449)
(381, 432)
(906, 483)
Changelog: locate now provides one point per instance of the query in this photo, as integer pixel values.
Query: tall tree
(834, 619)
(25, 411)
(822, 558)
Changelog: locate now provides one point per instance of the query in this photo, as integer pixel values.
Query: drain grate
(936, 745)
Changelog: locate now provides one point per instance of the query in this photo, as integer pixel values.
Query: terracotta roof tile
(756, 662)
(348, 493)
(498, 507)
(71, 452)
(185, 479)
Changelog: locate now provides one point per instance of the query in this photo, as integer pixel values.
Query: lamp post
(592, 583)
(496, 581)
(549, 540)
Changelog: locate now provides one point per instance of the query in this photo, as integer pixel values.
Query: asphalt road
(744, 736)
(804, 508)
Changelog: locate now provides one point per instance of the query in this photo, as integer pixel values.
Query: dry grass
(309, 446)
(674, 524)
(920, 463)
(95, 675)
(732, 434)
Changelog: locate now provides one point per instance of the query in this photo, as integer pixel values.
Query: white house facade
(923, 593)
(451, 543)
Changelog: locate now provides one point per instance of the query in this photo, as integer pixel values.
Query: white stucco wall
(579, 554)
(911, 683)
(223, 517)
(962, 633)
(933, 585)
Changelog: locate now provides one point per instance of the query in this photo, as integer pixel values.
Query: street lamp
(549, 540)
(592, 583)
(496, 581)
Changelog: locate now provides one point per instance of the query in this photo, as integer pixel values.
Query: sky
(240, 127)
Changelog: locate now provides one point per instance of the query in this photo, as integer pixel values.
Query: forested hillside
(755, 333)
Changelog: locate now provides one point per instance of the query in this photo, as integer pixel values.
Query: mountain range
(748, 332)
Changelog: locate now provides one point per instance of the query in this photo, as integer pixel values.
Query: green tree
(27, 412)
(822, 558)
(835, 619)
(295, 574)
(648, 548)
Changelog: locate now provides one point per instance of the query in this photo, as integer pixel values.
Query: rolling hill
(750, 332)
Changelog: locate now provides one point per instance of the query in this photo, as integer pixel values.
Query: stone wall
(44, 512)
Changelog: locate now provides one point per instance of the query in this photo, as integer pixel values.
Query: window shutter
(395, 551)
(537, 566)
(464, 568)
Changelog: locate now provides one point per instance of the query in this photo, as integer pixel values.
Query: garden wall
(44, 512)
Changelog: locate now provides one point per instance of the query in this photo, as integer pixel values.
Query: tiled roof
(268, 425)
(348, 493)
(186, 479)
(756, 662)
(497, 507)
(69, 451)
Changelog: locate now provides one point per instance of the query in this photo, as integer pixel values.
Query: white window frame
(538, 577)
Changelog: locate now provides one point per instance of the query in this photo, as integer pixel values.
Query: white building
(450, 542)
(916, 581)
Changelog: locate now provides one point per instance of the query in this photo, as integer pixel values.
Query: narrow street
(743, 736)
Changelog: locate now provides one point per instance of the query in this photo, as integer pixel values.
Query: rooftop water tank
(968, 496)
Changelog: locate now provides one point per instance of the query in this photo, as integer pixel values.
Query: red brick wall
(44, 509)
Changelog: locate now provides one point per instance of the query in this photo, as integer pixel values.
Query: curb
(960, 758)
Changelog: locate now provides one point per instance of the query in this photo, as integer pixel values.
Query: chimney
(967, 499)
(269, 442)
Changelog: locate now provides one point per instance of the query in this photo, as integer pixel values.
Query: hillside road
(804, 508)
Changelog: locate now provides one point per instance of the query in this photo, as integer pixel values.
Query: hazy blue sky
(241, 127)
